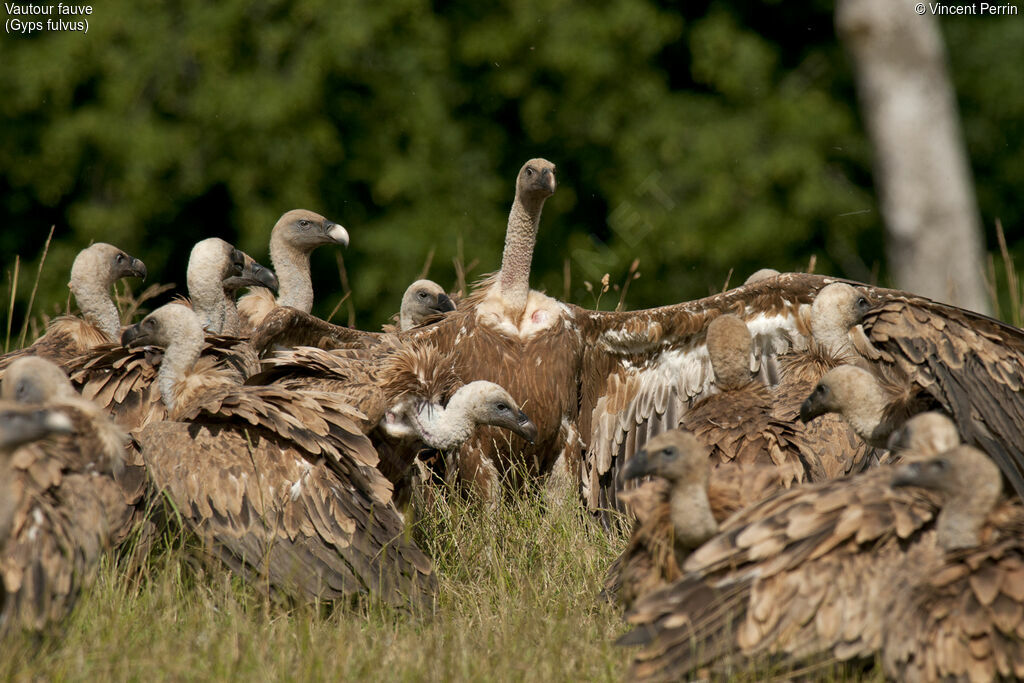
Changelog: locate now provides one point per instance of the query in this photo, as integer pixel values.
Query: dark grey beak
(898, 440)
(17, 427)
(525, 428)
(132, 336)
(253, 276)
(444, 303)
(137, 269)
(811, 408)
(548, 176)
(907, 475)
(636, 467)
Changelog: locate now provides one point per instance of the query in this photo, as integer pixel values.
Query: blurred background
(704, 139)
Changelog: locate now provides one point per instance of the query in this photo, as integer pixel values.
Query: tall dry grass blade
(812, 262)
(35, 288)
(460, 272)
(566, 279)
(426, 264)
(728, 276)
(631, 275)
(991, 282)
(130, 305)
(334, 311)
(1012, 281)
(345, 289)
(10, 308)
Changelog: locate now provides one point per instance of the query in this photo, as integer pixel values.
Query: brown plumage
(281, 485)
(871, 406)
(679, 462)
(737, 423)
(814, 574)
(93, 273)
(970, 364)
(68, 508)
(410, 397)
(837, 308)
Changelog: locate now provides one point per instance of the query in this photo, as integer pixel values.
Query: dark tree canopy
(699, 138)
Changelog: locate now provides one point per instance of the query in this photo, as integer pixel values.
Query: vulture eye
(501, 407)
(120, 258)
(670, 452)
(941, 464)
(422, 295)
(303, 223)
(529, 172)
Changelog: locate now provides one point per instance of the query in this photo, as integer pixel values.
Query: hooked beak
(253, 276)
(18, 427)
(548, 177)
(133, 336)
(336, 233)
(811, 408)
(636, 467)
(136, 269)
(444, 304)
(897, 440)
(525, 428)
(907, 475)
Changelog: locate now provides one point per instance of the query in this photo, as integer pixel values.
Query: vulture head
(252, 274)
(926, 434)
(489, 404)
(423, 300)
(969, 485)
(763, 274)
(676, 456)
(841, 390)
(304, 231)
(168, 324)
(856, 395)
(20, 425)
(729, 342)
(837, 308)
(35, 380)
(536, 180)
(104, 264)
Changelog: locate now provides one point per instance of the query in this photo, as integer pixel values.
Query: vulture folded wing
(286, 327)
(284, 519)
(799, 577)
(972, 365)
(965, 620)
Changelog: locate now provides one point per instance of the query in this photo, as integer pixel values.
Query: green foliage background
(698, 137)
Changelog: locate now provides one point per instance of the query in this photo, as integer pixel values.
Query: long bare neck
(520, 238)
(179, 357)
(232, 322)
(96, 305)
(292, 267)
(207, 296)
(444, 428)
(868, 420)
(692, 520)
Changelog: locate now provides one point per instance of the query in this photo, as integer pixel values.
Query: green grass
(518, 600)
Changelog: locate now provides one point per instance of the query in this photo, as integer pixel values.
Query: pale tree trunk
(933, 231)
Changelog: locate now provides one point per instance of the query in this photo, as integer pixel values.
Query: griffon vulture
(281, 485)
(680, 463)
(815, 574)
(68, 508)
(93, 273)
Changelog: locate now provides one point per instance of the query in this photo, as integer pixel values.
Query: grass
(518, 600)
